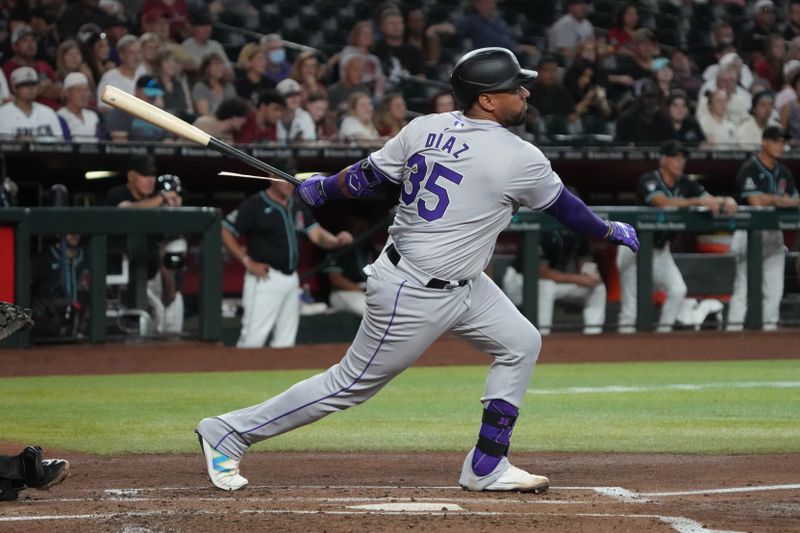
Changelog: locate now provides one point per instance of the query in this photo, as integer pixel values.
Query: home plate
(408, 506)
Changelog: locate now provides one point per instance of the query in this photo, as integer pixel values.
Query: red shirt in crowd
(251, 132)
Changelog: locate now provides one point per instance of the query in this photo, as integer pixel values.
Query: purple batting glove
(312, 191)
(622, 233)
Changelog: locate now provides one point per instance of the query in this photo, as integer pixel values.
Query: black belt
(434, 283)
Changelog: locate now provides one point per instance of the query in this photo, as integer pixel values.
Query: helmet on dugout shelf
(486, 70)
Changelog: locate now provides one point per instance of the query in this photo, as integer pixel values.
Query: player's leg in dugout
(593, 300)
(349, 301)
(668, 278)
(547, 301)
(403, 318)
(284, 334)
(259, 300)
(626, 264)
(773, 277)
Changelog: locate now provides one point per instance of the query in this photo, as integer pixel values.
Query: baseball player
(667, 186)
(462, 175)
(763, 181)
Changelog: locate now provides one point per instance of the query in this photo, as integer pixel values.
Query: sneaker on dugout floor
(223, 471)
(505, 477)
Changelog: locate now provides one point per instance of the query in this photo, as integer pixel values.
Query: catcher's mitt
(13, 318)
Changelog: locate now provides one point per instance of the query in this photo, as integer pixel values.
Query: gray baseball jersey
(461, 180)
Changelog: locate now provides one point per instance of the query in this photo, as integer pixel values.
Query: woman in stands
(621, 35)
(151, 45)
(425, 41)
(770, 65)
(590, 99)
(69, 59)
(213, 87)
(177, 98)
(720, 132)
(251, 68)
(391, 116)
(442, 102)
(308, 72)
(357, 124)
(318, 107)
(96, 51)
(360, 42)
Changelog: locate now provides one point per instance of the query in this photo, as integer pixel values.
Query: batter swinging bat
(167, 121)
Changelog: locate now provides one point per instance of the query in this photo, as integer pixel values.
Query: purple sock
(494, 437)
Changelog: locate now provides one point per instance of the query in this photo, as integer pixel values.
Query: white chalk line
(679, 523)
(730, 490)
(304, 499)
(621, 389)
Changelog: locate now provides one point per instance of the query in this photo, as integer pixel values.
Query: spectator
(213, 87)
(621, 35)
(228, 119)
(44, 29)
(572, 28)
(5, 94)
(686, 76)
(727, 57)
(720, 132)
(177, 98)
(442, 102)
(566, 272)
(295, 123)
(339, 92)
(422, 38)
(644, 123)
(79, 13)
(250, 81)
(124, 127)
(124, 76)
(395, 54)
(770, 65)
(269, 222)
(667, 186)
(664, 76)
(357, 124)
(69, 59)
(115, 29)
(262, 124)
(200, 43)
(757, 33)
(787, 94)
(307, 71)
(792, 21)
(763, 181)
(96, 53)
(60, 288)
(175, 12)
(790, 112)
(151, 45)
(23, 118)
(25, 48)
(591, 104)
(324, 118)
(157, 21)
(391, 117)
(278, 67)
(750, 132)
(140, 193)
(548, 96)
(360, 41)
(739, 99)
(686, 129)
(82, 122)
(639, 65)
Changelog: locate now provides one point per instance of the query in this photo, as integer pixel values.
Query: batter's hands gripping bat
(167, 121)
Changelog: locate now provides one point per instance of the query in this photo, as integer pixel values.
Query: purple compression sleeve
(575, 215)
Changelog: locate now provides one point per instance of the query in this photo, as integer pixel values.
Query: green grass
(427, 408)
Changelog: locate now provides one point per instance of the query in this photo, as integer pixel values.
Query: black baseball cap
(673, 148)
(774, 133)
(144, 164)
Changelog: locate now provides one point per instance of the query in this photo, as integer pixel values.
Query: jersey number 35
(419, 171)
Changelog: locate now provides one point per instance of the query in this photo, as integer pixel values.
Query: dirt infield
(393, 491)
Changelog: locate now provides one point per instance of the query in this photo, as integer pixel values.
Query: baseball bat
(158, 117)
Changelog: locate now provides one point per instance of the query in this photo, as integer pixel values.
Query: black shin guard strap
(490, 447)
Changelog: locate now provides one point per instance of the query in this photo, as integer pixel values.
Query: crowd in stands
(705, 73)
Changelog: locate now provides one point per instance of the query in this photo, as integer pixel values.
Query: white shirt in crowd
(739, 103)
(302, 128)
(82, 128)
(721, 135)
(352, 128)
(42, 124)
(749, 132)
(5, 94)
(199, 51)
(568, 32)
(115, 78)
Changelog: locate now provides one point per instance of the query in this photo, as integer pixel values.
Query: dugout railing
(100, 223)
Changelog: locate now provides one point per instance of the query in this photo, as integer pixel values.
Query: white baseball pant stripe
(593, 300)
(270, 305)
(666, 277)
(774, 254)
(403, 318)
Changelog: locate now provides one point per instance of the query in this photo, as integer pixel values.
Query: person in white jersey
(462, 176)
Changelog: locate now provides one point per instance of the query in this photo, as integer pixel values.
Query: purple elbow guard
(575, 215)
(363, 179)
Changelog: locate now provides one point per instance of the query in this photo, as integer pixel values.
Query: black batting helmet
(485, 70)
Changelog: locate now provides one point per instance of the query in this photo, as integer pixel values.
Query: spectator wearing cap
(757, 32)
(25, 119)
(295, 123)
(174, 12)
(227, 120)
(23, 42)
(644, 123)
(548, 96)
(262, 124)
(278, 67)
(728, 57)
(200, 44)
(787, 94)
(751, 130)
(633, 68)
(358, 124)
(572, 28)
(392, 49)
(124, 76)
(667, 186)
(79, 13)
(5, 94)
(157, 21)
(44, 29)
(125, 127)
(685, 127)
(82, 122)
(792, 29)
(116, 28)
(769, 66)
(213, 87)
(739, 99)
(250, 79)
(353, 72)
